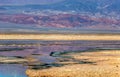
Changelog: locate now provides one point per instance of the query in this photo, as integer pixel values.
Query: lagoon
(39, 52)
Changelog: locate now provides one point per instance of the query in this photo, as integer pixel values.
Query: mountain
(93, 6)
(87, 14)
(82, 5)
(66, 5)
(25, 2)
(63, 21)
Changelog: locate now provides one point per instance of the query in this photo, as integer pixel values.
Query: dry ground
(60, 36)
(107, 64)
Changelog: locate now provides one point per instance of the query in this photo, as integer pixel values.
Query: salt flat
(59, 36)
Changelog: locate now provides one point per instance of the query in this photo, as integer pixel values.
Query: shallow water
(12, 70)
(41, 50)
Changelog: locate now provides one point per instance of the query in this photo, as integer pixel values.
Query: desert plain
(90, 63)
(59, 36)
(98, 63)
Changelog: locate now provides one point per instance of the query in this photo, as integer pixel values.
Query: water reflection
(40, 50)
(12, 70)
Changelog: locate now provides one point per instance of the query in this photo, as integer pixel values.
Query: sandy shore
(59, 37)
(9, 60)
(102, 63)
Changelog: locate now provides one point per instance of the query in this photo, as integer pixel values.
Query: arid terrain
(98, 63)
(63, 21)
(60, 36)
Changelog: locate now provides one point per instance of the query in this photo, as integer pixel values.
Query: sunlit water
(41, 50)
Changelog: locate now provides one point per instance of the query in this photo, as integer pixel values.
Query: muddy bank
(99, 63)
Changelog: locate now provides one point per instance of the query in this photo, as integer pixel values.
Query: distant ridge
(93, 6)
(83, 14)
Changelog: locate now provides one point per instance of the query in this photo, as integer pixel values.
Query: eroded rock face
(63, 21)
